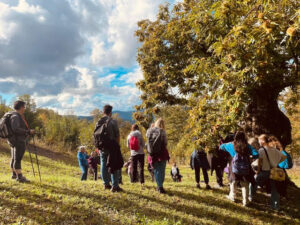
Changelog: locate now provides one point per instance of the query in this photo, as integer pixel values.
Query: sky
(72, 55)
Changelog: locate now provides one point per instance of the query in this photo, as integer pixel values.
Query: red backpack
(134, 143)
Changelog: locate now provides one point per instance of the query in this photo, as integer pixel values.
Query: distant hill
(125, 115)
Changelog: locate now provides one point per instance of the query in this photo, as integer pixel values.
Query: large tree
(226, 60)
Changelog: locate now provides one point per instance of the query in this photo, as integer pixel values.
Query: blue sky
(72, 55)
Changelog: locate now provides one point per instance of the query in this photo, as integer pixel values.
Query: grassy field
(62, 198)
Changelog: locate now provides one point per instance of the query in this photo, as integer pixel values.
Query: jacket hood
(135, 133)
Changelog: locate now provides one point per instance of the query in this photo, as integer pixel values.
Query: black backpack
(101, 137)
(155, 145)
(5, 126)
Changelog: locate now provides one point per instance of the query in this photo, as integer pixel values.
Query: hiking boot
(14, 176)
(161, 190)
(198, 186)
(107, 187)
(116, 189)
(208, 187)
(22, 179)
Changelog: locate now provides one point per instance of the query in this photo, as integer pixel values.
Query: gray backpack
(5, 126)
(155, 142)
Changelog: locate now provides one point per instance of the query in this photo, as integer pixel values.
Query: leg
(141, 168)
(158, 167)
(219, 176)
(134, 167)
(95, 173)
(19, 152)
(275, 197)
(205, 175)
(14, 175)
(84, 171)
(104, 170)
(197, 174)
(115, 178)
(245, 192)
(232, 194)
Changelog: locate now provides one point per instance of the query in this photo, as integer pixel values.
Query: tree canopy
(227, 61)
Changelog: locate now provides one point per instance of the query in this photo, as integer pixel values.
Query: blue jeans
(159, 172)
(84, 170)
(262, 179)
(106, 176)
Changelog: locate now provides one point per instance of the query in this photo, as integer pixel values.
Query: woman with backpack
(269, 158)
(136, 144)
(240, 170)
(158, 152)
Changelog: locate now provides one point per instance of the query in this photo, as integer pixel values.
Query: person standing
(94, 161)
(136, 144)
(82, 157)
(240, 170)
(109, 137)
(269, 158)
(158, 152)
(198, 161)
(18, 141)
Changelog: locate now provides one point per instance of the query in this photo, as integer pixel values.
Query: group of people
(250, 164)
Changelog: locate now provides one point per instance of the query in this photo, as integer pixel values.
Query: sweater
(82, 158)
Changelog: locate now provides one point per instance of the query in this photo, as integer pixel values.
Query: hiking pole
(37, 160)
(31, 160)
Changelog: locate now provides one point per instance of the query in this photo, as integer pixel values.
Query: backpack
(5, 126)
(154, 146)
(101, 137)
(289, 160)
(134, 143)
(241, 164)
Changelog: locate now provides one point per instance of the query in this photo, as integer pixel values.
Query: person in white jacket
(136, 144)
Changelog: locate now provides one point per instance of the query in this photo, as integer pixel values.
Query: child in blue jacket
(83, 162)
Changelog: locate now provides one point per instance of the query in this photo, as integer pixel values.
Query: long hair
(240, 143)
(160, 123)
(274, 142)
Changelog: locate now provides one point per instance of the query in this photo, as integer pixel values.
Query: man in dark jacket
(18, 141)
(114, 136)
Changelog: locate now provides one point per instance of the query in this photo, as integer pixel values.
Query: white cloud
(57, 51)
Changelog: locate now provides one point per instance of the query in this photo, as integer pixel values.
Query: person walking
(107, 138)
(158, 152)
(82, 157)
(136, 144)
(19, 139)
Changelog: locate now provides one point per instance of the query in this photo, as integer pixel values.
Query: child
(94, 161)
(83, 162)
(150, 169)
(198, 161)
(175, 173)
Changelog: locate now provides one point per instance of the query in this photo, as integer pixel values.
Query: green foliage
(3, 107)
(216, 58)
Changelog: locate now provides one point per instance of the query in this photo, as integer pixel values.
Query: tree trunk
(265, 117)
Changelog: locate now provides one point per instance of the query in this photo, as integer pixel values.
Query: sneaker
(198, 186)
(229, 198)
(116, 189)
(161, 190)
(107, 187)
(208, 187)
(245, 204)
(22, 179)
(14, 176)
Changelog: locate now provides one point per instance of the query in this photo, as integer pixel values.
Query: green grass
(62, 198)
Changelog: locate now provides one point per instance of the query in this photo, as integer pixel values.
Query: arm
(16, 126)
(254, 152)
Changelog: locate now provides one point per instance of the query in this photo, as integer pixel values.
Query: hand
(32, 132)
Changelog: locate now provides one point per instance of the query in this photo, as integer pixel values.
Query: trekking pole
(31, 160)
(37, 160)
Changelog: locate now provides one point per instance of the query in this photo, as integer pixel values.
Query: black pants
(95, 172)
(219, 175)
(197, 174)
(17, 153)
(138, 161)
